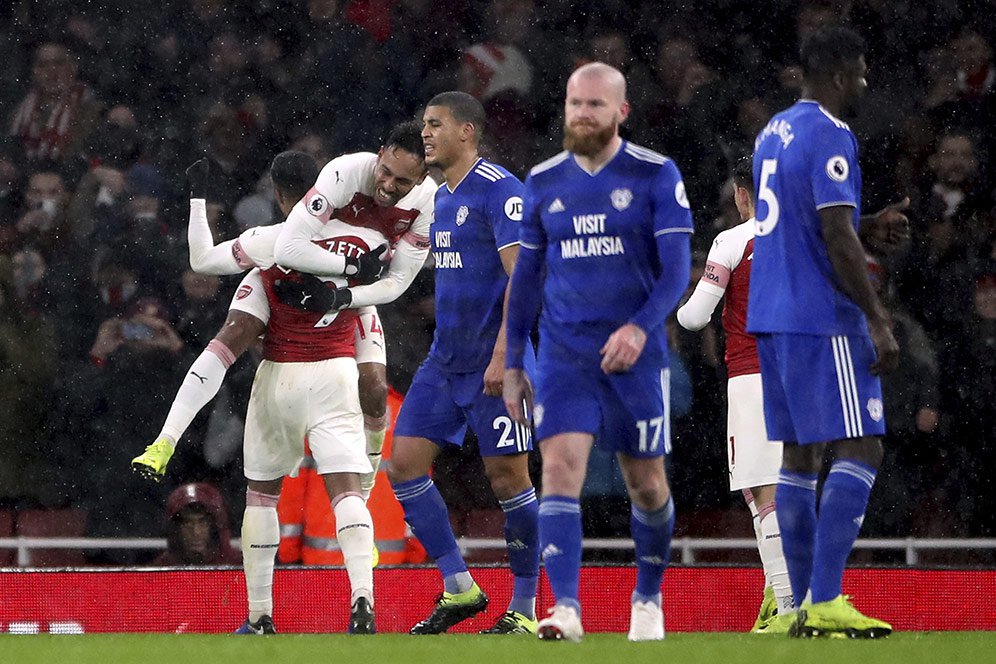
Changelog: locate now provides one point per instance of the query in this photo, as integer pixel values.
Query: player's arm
(850, 267)
(697, 311)
(406, 263)
(205, 256)
(522, 302)
(672, 225)
(336, 184)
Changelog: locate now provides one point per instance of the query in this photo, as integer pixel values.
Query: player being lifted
(753, 460)
(822, 333)
(475, 237)
(605, 247)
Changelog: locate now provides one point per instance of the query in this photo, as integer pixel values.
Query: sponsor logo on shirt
(513, 208)
(555, 206)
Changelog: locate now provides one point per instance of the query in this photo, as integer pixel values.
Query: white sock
(375, 431)
(755, 521)
(354, 530)
(200, 385)
(260, 540)
(769, 546)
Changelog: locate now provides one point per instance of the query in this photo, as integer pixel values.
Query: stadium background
(93, 217)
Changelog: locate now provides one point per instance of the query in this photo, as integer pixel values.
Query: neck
(458, 170)
(598, 160)
(823, 97)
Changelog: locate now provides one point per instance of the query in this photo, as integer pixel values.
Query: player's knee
(508, 480)
(868, 451)
(649, 493)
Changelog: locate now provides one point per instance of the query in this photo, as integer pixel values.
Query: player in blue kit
(822, 333)
(605, 250)
(475, 241)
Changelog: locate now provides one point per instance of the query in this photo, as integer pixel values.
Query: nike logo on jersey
(203, 379)
(555, 206)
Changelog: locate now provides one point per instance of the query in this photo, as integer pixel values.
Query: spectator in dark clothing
(197, 531)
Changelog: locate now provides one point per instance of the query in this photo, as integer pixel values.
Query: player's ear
(624, 111)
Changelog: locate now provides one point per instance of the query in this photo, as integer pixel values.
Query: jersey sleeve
(525, 293)
(418, 235)
(337, 183)
(834, 174)
(254, 248)
(504, 210)
(672, 213)
(531, 233)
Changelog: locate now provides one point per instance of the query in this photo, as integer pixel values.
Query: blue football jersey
(472, 224)
(598, 234)
(804, 160)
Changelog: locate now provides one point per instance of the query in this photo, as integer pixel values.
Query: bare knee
(410, 458)
(868, 450)
(509, 476)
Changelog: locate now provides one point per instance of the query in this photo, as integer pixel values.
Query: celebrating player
(605, 244)
(822, 333)
(475, 244)
(753, 460)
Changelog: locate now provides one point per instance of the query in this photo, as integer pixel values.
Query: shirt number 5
(764, 226)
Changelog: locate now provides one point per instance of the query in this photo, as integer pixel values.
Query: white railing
(687, 546)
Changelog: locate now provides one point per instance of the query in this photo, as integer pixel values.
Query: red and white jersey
(351, 224)
(728, 268)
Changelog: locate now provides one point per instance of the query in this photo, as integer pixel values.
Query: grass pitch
(683, 648)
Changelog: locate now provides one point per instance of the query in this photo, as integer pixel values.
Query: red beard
(587, 144)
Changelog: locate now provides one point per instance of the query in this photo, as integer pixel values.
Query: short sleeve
(531, 233)
(834, 163)
(504, 210)
(672, 212)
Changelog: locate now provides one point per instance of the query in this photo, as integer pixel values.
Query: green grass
(906, 648)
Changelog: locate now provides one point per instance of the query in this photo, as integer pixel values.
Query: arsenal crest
(621, 198)
(462, 215)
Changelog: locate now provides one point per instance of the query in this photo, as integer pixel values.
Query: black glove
(311, 294)
(367, 268)
(197, 177)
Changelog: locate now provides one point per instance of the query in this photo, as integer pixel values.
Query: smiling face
(397, 172)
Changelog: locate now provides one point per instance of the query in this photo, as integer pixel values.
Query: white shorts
(292, 400)
(752, 458)
(250, 297)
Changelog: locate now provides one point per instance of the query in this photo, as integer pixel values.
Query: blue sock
(652, 537)
(842, 509)
(522, 537)
(795, 496)
(560, 542)
(426, 513)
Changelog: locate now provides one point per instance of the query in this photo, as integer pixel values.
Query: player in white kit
(753, 460)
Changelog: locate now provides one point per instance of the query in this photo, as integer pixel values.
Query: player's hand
(886, 348)
(623, 348)
(197, 177)
(310, 293)
(889, 227)
(494, 375)
(517, 392)
(367, 268)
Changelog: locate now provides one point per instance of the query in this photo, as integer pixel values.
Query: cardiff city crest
(621, 198)
(462, 215)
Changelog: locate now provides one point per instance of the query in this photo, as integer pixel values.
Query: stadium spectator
(197, 530)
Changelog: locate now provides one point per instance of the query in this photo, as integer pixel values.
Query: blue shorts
(627, 412)
(440, 405)
(819, 389)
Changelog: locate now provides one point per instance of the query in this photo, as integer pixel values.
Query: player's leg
(371, 360)
(260, 540)
(844, 405)
(335, 435)
(245, 322)
(428, 415)
(754, 463)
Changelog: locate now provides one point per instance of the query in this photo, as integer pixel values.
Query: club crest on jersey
(317, 205)
(621, 198)
(462, 214)
(244, 291)
(538, 414)
(837, 168)
(875, 409)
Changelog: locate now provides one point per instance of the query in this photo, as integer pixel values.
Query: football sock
(842, 509)
(199, 386)
(652, 539)
(560, 542)
(429, 519)
(522, 537)
(375, 430)
(260, 539)
(769, 547)
(354, 530)
(795, 496)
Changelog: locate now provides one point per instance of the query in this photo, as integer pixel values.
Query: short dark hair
(408, 137)
(293, 173)
(464, 107)
(743, 173)
(829, 50)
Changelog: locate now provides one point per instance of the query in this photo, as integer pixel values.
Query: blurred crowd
(103, 105)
